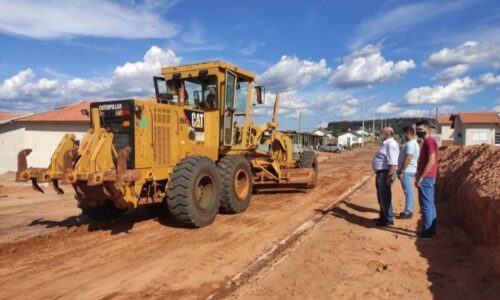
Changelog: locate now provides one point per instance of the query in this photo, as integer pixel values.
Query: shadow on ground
(122, 224)
(456, 269)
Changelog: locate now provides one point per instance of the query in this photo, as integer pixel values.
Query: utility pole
(363, 128)
(373, 129)
(300, 117)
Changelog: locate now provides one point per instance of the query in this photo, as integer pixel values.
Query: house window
(479, 137)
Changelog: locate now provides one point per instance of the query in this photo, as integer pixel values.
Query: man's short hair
(409, 130)
(424, 123)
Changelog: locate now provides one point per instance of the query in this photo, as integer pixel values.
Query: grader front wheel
(237, 182)
(193, 193)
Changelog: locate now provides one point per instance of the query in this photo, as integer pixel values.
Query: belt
(381, 171)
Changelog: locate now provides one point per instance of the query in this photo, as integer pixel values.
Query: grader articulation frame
(196, 148)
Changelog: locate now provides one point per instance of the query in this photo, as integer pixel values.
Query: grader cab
(196, 148)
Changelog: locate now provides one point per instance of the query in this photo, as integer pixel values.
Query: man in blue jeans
(425, 180)
(407, 168)
(384, 165)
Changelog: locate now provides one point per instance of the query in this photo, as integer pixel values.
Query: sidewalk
(350, 258)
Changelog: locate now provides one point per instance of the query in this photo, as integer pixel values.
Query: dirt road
(347, 257)
(143, 254)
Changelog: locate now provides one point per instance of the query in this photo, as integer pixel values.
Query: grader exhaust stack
(196, 149)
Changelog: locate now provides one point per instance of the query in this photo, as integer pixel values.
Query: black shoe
(384, 223)
(404, 216)
(379, 219)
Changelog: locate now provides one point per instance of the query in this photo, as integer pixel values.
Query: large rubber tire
(194, 191)
(308, 159)
(237, 184)
(106, 212)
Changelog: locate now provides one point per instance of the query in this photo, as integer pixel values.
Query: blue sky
(332, 60)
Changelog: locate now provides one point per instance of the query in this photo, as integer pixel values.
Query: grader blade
(22, 173)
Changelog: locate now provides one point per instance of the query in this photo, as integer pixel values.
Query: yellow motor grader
(195, 148)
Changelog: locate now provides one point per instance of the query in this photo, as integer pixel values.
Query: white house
(42, 133)
(444, 130)
(349, 138)
(472, 128)
(323, 132)
(11, 134)
(362, 132)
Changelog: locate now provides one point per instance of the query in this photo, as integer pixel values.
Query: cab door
(230, 102)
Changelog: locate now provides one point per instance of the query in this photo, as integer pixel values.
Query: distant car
(331, 148)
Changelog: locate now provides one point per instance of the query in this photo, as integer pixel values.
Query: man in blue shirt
(385, 164)
(407, 168)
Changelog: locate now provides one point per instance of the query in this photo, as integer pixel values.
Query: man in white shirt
(384, 165)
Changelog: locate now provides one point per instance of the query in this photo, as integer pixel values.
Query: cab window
(241, 96)
(199, 92)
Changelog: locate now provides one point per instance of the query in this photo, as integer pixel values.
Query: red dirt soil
(49, 251)
(469, 180)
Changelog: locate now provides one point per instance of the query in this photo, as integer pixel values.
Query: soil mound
(469, 180)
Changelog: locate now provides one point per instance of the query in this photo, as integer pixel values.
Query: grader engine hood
(117, 117)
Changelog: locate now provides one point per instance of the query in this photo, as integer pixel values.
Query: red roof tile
(444, 120)
(11, 116)
(476, 118)
(68, 113)
(479, 117)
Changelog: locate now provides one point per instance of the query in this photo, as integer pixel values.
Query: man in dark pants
(425, 180)
(384, 164)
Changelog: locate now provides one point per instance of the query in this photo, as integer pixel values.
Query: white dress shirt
(386, 156)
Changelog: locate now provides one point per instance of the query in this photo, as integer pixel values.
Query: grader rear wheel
(237, 182)
(308, 159)
(193, 193)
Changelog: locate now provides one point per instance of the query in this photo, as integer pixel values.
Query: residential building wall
(44, 138)
(474, 134)
(12, 139)
(459, 132)
(447, 133)
(348, 139)
(497, 135)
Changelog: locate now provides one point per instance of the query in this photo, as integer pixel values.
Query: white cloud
(129, 80)
(446, 109)
(497, 107)
(401, 19)
(366, 67)
(290, 73)
(451, 73)
(387, 108)
(470, 52)
(413, 113)
(340, 106)
(489, 79)
(50, 19)
(455, 91)
(195, 38)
